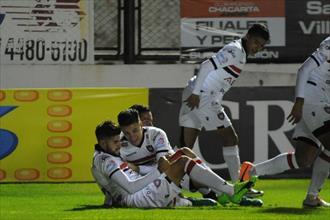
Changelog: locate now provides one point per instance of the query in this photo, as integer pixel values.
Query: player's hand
(163, 164)
(192, 101)
(296, 111)
(133, 167)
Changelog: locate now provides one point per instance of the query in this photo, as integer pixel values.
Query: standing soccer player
(202, 98)
(311, 112)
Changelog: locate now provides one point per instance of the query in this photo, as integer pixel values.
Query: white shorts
(158, 194)
(316, 112)
(209, 115)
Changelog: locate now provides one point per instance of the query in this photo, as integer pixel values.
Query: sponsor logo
(130, 154)
(266, 54)
(111, 165)
(234, 8)
(315, 27)
(230, 51)
(8, 139)
(317, 8)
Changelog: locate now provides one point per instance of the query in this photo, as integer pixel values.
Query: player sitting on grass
(158, 188)
(142, 146)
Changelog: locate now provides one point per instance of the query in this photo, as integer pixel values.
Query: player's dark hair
(128, 117)
(259, 30)
(140, 108)
(106, 129)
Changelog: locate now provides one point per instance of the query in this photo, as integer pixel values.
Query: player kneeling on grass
(160, 187)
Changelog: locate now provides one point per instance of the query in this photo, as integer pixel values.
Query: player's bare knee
(180, 163)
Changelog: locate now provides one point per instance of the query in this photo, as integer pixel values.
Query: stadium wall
(257, 105)
(150, 76)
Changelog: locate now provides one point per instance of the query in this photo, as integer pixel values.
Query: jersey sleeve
(229, 55)
(108, 166)
(322, 54)
(132, 186)
(161, 144)
(302, 76)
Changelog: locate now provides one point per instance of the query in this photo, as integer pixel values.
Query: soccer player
(159, 188)
(311, 112)
(145, 114)
(144, 146)
(202, 98)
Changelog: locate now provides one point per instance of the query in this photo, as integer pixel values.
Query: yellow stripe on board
(54, 130)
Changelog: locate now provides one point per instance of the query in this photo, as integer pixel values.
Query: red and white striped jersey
(154, 145)
(228, 64)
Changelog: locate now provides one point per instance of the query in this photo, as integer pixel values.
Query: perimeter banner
(215, 23)
(296, 27)
(46, 32)
(48, 135)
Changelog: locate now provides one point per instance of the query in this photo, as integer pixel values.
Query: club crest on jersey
(150, 148)
(327, 109)
(221, 116)
(161, 140)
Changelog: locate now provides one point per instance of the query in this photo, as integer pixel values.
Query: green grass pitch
(282, 200)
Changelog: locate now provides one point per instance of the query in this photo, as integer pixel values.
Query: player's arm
(162, 144)
(311, 63)
(112, 170)
(145, 169)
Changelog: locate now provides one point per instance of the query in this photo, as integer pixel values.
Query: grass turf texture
(282, 200)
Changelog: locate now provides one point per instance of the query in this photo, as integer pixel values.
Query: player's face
(133, 133)
(112, 145)
(146, 119)
(255, 44)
